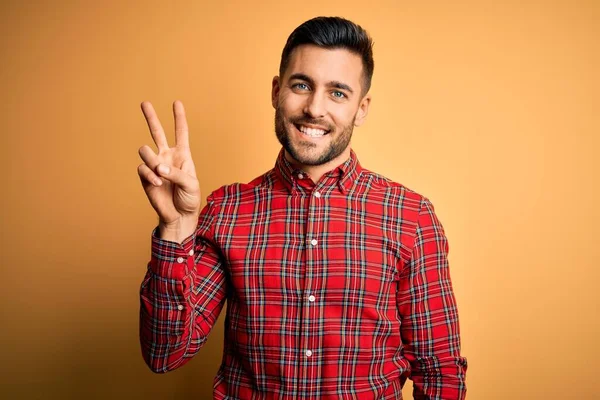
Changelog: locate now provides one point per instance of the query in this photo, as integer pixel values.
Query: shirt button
(179, 260)
(180, 307)
(317, 195)
(191, 253)
(311, 298)
(314, 242)
(300, 176)
(308, 353)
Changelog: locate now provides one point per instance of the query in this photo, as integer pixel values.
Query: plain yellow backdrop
(488, 108)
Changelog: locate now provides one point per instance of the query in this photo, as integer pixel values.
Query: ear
(275, 91)
(363, 110)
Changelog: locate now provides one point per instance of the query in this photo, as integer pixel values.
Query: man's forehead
(327, 64)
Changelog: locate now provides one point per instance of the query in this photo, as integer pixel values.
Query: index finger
(156, 129)
(181, 126)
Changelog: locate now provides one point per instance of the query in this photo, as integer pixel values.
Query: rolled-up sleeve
(430, 328)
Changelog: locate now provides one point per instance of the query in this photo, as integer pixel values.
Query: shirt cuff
(172, 260)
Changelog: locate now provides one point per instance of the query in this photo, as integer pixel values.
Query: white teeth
(311, 131)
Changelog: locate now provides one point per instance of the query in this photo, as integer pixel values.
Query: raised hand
(169, 177)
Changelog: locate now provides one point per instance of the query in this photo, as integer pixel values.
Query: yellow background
(490, 109)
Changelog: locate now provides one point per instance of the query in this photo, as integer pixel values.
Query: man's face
(317, 102)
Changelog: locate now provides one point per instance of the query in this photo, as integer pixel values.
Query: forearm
(433, 350)
(163, 331)
(432, 335)
(180, 299)
(442, 373)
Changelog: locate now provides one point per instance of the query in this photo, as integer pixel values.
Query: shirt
(335, 290)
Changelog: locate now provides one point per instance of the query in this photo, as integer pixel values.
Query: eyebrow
(335, 84)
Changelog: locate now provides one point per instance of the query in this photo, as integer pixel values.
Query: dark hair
(333, 33)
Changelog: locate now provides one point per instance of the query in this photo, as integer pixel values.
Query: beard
(306, 152)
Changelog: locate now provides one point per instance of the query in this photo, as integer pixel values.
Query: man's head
(333, 33)
(321, 92)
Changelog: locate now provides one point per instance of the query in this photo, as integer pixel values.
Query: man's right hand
(169, 177)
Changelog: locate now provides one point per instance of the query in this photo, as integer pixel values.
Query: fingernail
(163, 169)
(157, 182)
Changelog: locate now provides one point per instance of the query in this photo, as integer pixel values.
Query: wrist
(179, 230)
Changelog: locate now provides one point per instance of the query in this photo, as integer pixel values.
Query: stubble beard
(301, 152)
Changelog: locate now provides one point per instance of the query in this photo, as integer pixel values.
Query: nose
(315, 106)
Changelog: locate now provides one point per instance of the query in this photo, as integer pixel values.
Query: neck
(317, 171)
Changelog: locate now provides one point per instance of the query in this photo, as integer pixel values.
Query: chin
(312, 156)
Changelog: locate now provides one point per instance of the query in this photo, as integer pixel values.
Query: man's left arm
(430, 329)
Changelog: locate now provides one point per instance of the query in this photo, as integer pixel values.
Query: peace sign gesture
(169, 177)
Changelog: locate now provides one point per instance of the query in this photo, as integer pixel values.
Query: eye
(301, 86)
(339, 95)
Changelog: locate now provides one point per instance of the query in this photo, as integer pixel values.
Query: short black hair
(333, 33)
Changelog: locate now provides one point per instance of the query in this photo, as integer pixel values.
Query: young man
(336, 278)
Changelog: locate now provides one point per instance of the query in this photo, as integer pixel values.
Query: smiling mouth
(311, 132)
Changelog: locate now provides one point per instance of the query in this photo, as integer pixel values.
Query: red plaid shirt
(335, 290)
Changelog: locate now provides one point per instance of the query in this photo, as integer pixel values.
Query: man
(336, 278)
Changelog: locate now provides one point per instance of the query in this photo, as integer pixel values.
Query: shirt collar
(343, 176)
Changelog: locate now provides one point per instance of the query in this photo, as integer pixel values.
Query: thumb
(178, 177)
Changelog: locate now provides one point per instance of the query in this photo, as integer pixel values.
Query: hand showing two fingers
(169, 176)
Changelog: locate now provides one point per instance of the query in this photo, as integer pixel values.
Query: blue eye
(339, 94)
(302, 86)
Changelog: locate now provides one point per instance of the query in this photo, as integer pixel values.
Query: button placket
(310, 312)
